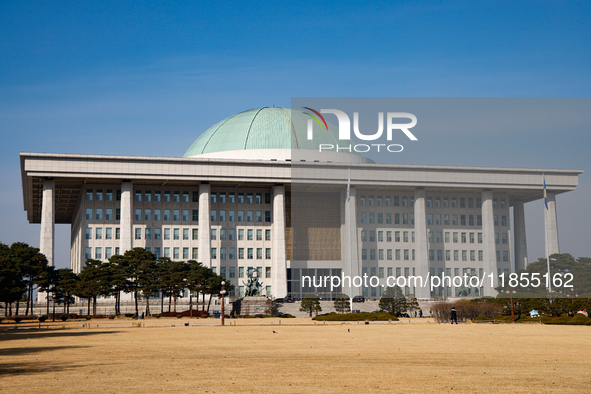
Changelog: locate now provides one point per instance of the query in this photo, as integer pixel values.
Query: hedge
(363, 316)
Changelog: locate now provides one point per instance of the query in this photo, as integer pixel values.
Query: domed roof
(264, 129)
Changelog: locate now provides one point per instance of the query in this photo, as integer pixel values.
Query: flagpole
(546, 235)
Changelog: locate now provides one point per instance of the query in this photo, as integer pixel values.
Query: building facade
(251, 195)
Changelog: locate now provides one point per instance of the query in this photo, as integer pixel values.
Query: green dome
(264, 128)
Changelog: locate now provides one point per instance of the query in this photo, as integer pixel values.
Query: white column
(421, 245)
(551, 226)
(204, 224)
(520, 239)
(126, 241)
(47, 240)
(278, 253)
(350, 244)
(489, 247)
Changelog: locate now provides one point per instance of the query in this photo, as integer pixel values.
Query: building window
(240, 253)
(214, 253)
(479, 220)
(138, 233)
(362, 200)
(240, 216)
(259, 253)
(148, 233)
(268, 253)
(267, 235)
(176, 254)
(267, 216)
(250, 253)
(108, 233)
(503, 220)
(166, 233)
(157, 234)
(240, 198)
(99, 214)
(363, 254)
(99, 233)
(249, 216)
(88, 233)
(232, 253)
(185, 215)
(88, 213)
(176, 215)
(195, 253)
(89, 197)
(259, 235)
(231, 234)
(117, 233)
(214, 235)
(389, 255)
(148, 214)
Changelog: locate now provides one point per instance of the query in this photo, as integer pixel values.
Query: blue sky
(147, 78)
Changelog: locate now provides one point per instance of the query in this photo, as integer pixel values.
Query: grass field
(301, 357)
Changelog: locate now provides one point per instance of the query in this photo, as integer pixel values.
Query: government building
(252, 192)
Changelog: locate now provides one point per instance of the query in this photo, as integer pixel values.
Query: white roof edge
(332, 164)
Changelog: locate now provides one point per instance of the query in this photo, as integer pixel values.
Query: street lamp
(512, 310)
(223, 293)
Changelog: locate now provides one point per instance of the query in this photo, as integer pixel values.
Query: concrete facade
(398, 220)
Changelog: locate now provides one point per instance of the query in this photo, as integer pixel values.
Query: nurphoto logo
(345, 130)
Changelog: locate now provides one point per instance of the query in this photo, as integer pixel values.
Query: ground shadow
(33, 368)
(22, 351)
(52, 333)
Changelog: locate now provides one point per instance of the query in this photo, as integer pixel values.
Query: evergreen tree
(393, 301)
(310, 303)
(342, 303)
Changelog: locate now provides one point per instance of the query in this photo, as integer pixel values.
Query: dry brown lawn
(299, 358)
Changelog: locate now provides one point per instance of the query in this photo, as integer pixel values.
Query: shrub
(64, 317)
(42, 318)
(466, 310)
(17, 319)
(129, 315)
(179, 316)
(111, 317)
(363, 316)
(99, 316)
(88, 317)
(287, 316)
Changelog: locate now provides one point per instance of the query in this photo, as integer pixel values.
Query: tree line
(23, 269)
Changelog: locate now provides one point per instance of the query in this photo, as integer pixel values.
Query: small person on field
(454, 316)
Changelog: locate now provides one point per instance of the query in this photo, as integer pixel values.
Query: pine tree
(310, 303)
(342, 304)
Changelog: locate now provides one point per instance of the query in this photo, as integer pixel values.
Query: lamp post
(223, 293)
(511, 292)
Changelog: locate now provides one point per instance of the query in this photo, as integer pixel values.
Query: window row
(380, 272)
(445, 202)
(397, 236)
(187, 233)
(187, 215)
(448, 220)
(406, 254)
(243, 253)
(178, 196)
(371, 218)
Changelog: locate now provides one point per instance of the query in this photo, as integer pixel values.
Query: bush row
(363, 316)
(466, 310)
